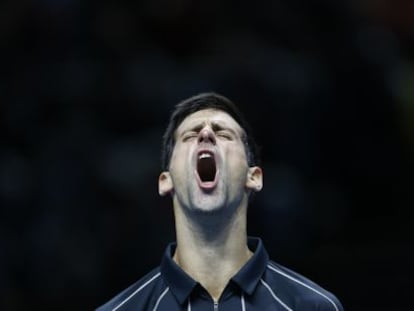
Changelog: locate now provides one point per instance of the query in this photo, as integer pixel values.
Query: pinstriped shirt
(260, 285)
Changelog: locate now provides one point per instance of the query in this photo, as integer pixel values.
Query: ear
(165, 184)
(254, 180)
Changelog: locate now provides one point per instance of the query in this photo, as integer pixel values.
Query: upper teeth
(204, 155)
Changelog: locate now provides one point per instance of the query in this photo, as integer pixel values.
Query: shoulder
(137, 296)
(297, 291)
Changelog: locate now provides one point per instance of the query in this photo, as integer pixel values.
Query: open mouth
(206, 167)
(206, 170)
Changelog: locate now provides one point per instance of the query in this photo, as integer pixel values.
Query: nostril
(206, 135)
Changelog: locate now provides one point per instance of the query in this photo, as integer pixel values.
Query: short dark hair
(202, 101)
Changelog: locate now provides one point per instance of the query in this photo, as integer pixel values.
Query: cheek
(179, 163)
(238, 164)
(176, 156)
(238, 156)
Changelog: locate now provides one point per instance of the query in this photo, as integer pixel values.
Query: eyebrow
(215, 125)
(218, 127)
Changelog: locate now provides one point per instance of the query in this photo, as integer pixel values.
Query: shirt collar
(249, 275)
(181, 284)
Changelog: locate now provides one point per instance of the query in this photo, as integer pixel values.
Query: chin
(208, 206)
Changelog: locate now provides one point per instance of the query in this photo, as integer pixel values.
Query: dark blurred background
(86, 90)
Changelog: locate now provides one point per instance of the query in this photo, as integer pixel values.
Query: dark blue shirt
(261, 285)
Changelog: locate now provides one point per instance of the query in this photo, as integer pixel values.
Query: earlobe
(165, 184)
(254, 179)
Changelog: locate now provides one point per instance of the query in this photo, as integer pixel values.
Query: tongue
(206, 168)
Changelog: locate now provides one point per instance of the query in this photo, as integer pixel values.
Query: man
(211, 169)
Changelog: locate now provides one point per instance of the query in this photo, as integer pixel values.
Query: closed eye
(189, 135)
(224, 134)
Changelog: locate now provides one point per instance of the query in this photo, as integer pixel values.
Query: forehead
(209, 116)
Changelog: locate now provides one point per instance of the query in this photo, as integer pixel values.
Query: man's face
(208, 167)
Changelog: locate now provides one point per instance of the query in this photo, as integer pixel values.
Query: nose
(206, 135)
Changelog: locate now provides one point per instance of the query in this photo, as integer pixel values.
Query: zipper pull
(215, 306)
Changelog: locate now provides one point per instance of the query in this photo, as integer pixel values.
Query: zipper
(215, 306)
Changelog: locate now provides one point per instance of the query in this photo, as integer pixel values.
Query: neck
(211, 248)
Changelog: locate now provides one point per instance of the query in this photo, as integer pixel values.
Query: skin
(210, 223)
